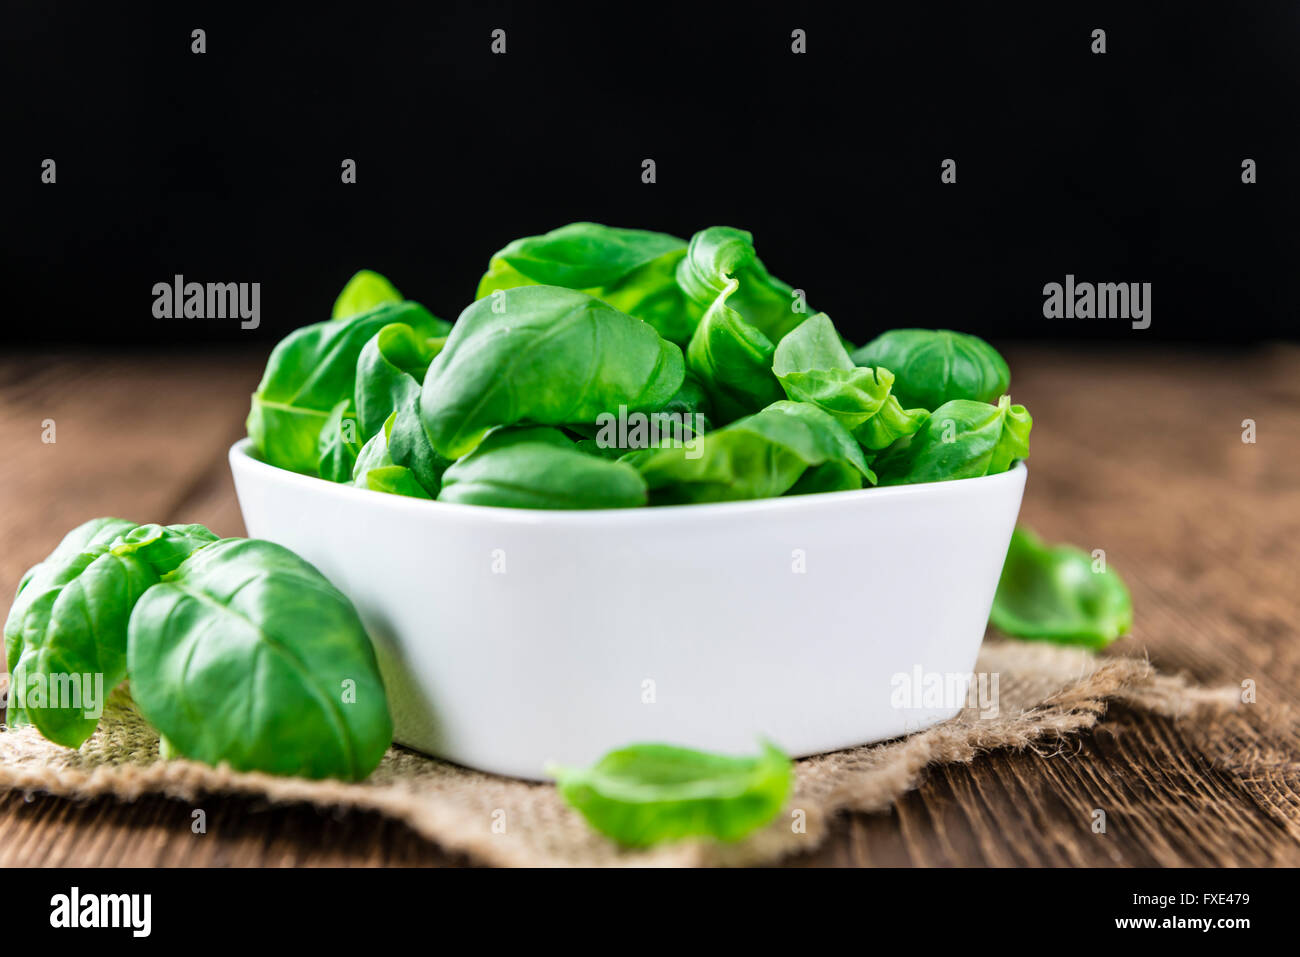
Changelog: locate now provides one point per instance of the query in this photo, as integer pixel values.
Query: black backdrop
(226, 166)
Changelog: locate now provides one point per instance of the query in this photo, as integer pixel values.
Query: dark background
(226, 166)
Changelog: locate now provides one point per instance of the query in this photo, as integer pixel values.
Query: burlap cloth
(1046, 693)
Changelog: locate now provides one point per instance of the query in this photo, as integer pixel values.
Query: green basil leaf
(721, 256)
(960, 439)
(934, 366)
(389, 372)
(66, 640)
(827, 477)
(409, 447)
(630, 269)
(813, 366)
(580, 256)
(162, 548)
(890, 423)
(733, 361)
(600, 449)
(364, 292)
(97, 531)
(1059, 594)
(91, 537)
(310, 371)
(647, 793)
(393, 479)
(550, 356)
(690, 401)
(339, 445)
(376, 469)
(247, 655)
(540, 468)
(760, 456)
(651, 294)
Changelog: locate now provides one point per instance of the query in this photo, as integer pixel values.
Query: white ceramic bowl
(512, 637)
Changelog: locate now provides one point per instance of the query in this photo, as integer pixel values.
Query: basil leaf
(813, 366)
(578, 256)
(376, 470)
(389, 372)
(721, 256)
(934, 366)
(338, 444)
(247, 655)
(551, 357)
(363, 292)
(827, 477)
(733, 361)
(65, 637)
(1058, 594)
(97, 531)
(960, 439)
(393, 479)
(647, 793)
(890, 423)
(690, 401)
(759, 456)
(633, 270)
(540, 468)
(92, 537)
(310, 371)
(162, 548)
(650, 293)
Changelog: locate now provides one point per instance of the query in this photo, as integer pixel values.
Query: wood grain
(1138, 452)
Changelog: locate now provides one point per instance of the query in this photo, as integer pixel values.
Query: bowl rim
(241, 457)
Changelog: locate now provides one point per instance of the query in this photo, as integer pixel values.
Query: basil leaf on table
(732, 359)
(363, 292)
(310, 371)
(721, 255)
(540, 468)
(161, 547)
(633, 270)
(648, 793)
(72, 622)
(934, 366)
(960, 439)
(760, 456)
(551, 356)
(97, 531)
(246, 654)
(814, 367)
(52, 574)
(1055, 593)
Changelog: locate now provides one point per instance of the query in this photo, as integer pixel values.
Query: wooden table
(1135, 450)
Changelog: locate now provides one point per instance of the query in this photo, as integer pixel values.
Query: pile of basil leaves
(239, 652)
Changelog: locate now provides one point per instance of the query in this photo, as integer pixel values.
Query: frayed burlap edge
(1046, 694)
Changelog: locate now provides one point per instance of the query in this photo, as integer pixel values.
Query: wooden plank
(1138, 452)
(140, 438)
